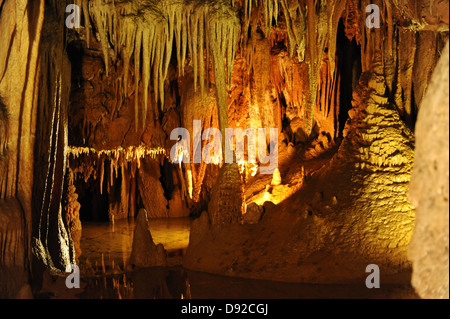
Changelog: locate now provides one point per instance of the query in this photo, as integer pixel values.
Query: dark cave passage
(94, 206)
(349, 68)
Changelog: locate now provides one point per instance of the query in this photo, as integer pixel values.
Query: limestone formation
(429, 189)
(369, 174)
(151, 190)
(145, 253)
(254, 213)
(276, 179)
(226, 202)
(3, 129)
(72, 215)
(86, 116)
(135, 28)
(199, 228)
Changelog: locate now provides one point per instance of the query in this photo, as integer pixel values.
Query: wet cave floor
(112, 243)
(104, 274)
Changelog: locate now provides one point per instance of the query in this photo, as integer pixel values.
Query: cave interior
(115, 153)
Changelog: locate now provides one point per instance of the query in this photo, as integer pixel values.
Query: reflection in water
(110, 244)
(108, 248)
(150, 283)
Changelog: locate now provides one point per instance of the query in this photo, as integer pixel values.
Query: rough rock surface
(72, 214)
(144, 252)
(254, 213)
(3, 129)
(177, 206)
(20, 25)
(429, 189)
(328, 241)
(12, 248)
(378, 150)
(151, 190)
(226, 202)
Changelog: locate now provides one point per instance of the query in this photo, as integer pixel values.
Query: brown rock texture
(51, 241)
(226, 202)
(144, 252)
(253, 214)
(20, 24)
(429, 188)
(3, 129)
(151, 190)
(12, 248)
(72, 214)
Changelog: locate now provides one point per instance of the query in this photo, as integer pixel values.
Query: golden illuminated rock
(276, 178)
(226, 202)
(254, 213)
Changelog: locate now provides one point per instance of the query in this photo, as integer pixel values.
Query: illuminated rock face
(21, 25)
(226, 202)
(144, 252)
(72, 214)
(374, 162)
(152, 192)
(429, 189)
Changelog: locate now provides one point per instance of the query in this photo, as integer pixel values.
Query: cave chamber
(116, 154)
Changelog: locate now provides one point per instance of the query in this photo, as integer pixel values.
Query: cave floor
(117, 281)
(112, 243)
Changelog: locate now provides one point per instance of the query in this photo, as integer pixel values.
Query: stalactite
(336, 8)
(152, 29)
(4, 118)
(390, 26)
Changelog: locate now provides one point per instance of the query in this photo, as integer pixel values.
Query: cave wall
(51, 240)
(429, 188)
(21, 23)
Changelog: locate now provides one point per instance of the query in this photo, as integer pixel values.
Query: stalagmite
(144, 252)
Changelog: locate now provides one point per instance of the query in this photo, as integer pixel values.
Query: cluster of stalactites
(119, 159)
(132, 153)
(202, 29)
(311, 26)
